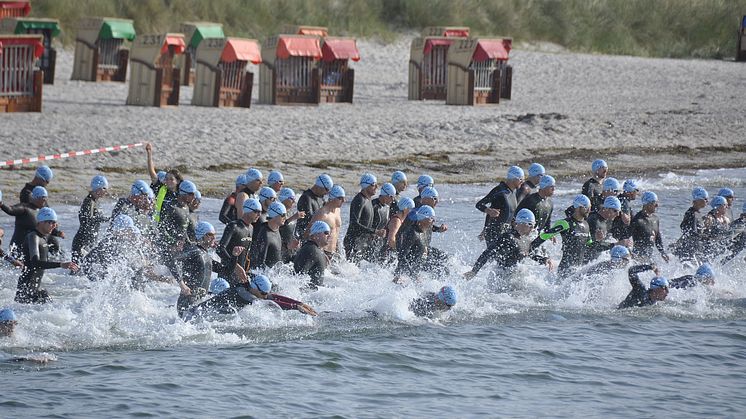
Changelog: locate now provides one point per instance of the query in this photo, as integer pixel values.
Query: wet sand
(642, 115)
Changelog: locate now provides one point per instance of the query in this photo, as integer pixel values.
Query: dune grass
(657, 28)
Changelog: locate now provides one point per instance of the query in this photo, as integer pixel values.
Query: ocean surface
(549, 348)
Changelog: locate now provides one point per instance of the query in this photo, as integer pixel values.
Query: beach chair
(100, 51)
(222, 77)
(48, 28)
(305, 30)
(195, 33)
(154, 75)
(741, 44)
(14, 8)
(20, 79)
(337, 78)
(478, 71)
(428, 68)
(289, 73)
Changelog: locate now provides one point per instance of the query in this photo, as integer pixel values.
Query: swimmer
(413, 251)
(500, 205)
(42, 177)
(236, 241)
(592, 187)
(25, 219)
(311, 259)
(90, 218)
(310, 201)
(540, 203)
(254, 179)
(531, 185)
(266, 247)
(404, 206)
(361, 232)
(275, 180)
(620, 228)
(8, 322)
(433, 304)
(640, 296)
(286, 197)
(399, 180)
(228, 210)
(196, 266)
(646, 233)
(599, 225)
(704, 275)
(331, 214)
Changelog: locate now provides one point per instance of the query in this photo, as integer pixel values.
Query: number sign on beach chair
(288, 73)
(48, 28)
(478, 71)
(222, 77)
(194, 34)
(20, 79)
(100, 51)
(428, 68)
(741, 45)
(154, 78)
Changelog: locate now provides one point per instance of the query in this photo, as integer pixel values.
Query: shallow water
(545, 349)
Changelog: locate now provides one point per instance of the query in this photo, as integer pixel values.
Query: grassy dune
(658, 28)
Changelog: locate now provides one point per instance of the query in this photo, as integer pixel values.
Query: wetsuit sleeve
(258, 252)
(300, 226)
(356, 208)
(13, 211)
(34, 262)
(659, 239)
(634, 276)
(488, 199)
(489, 254)
(686, 281)
(285, 303)
(226, 209)
(222, 249)
(410, 255)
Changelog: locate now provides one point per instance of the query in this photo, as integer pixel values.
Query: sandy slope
(640, 114)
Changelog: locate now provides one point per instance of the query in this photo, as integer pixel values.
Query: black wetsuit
(236, 233)
(739, 241)
(646, 234)
(682, 282)
(90, 217)
(192, 226)
(25, 194)
(715, 238)
(311, 260)
(639, 296)
(619, 230)
(143, 221)
(287, 231)
(689, 245)
(234, 299)
(228, 211)
(527, 188)
(411, 250)
(380, 221)
(598, 223)
(360, 233)
(266, 248)
(593, 189)
(509, 249)
(172, 231)
(25, 222)
(308, 202)
(196, 267)
(542, 209)
(425, 305)
(36, 256)
(576, 242)
(502, 198)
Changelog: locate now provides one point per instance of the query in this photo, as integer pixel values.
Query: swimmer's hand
(469, 275)
(241, 276)
(294, 244)
(492, 212)
(443, 228)
(185, 290)
(306, 309)
(381, 232)
(550, 265)
(72, 266)
(665, 257)
(238, 250)
(17, 263)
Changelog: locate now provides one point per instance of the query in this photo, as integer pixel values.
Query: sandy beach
(642, 115)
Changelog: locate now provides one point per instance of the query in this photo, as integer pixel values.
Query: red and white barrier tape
(69, 154)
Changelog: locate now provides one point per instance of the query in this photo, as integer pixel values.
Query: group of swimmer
(268, 224)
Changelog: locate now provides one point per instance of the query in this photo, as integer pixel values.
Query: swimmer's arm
(151, 167)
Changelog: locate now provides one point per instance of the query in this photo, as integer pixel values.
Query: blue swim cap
(241, 180)
(367, 180)
(252, 205)
(705, 271)
(161, 176)
(398, 176)
(7, 315)
(285, 194)
(274, 177)
(320, 227)
(658, 282)
(699, 193)
(581, 201)
(261, 283)
(536, 170)
(124, 222)
(388, 190)
(611, 184)
(546, 182)
(718, 201)
(429, 192)
(266, 193)
(525, 216)
(424, 181)
(726, 193)
(447, 295)
(203, 228)
(46, 214)
(198, 196)
(337, 192)
(630, 185)
(598, 164)
(44, 173)
(515, 172)
(612, 202)
(218, 285)
(325, 181)
(187, 187)
(140, 187)
(649, 197)
(424, 212)
(99, 182)
(253, 174)
(405, 203)
(276, 209)
(39, 192)
(619, 252)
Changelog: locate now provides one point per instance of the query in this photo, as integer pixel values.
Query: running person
(592, 188)
(361, 232)
(646, 233)
(500, 205)
(531, 185)
(433, 304)
(311, 259)
(639, 296)
(540, 203)
(331, 214)
(228, 210)
(266, 248)
(42, 177)
(310, 201)
(235, 244)
(90, 217)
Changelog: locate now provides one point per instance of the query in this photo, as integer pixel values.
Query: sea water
(547, 348)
